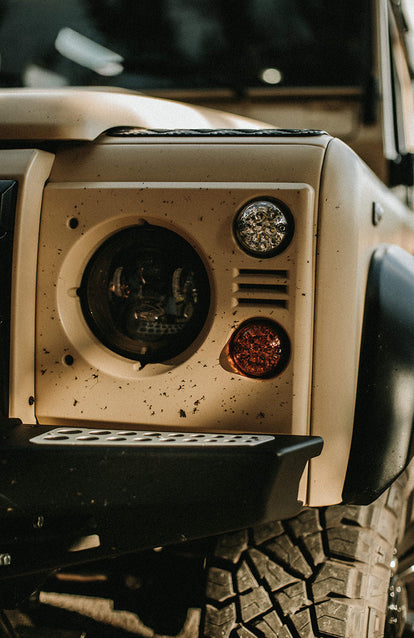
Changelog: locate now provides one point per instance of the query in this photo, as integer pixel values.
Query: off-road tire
(325, 572)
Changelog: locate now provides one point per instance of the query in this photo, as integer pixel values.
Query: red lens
(260, 348)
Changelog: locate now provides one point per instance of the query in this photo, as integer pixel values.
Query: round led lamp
(264, 228)
(260, 348)
(145, 294)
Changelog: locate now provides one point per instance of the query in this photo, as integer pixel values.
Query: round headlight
(264, 228)
(145, 294)
(259, 348)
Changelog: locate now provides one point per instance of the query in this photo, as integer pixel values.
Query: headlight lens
(260, 348)
(145, 294)
(264, 228)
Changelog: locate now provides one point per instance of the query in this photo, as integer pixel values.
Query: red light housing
(259, 348)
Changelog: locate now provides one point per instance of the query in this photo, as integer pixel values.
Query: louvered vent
(261, 287)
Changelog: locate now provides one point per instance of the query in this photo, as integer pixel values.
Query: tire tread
(323, 574)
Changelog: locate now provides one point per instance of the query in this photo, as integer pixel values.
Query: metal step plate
(86, 436)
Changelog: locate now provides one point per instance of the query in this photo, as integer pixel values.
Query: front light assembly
(264, 228)
(145, 294)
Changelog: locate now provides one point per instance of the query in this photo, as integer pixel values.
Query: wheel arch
(382, 443)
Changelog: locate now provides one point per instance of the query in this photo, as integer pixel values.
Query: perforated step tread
(87, 436)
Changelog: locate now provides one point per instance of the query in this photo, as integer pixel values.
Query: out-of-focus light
(271, 76)
(109, 69)
(35, 76)
(84, 51)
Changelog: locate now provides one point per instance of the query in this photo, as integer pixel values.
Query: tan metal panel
(31, 169)
(103, 386)
(346, 241)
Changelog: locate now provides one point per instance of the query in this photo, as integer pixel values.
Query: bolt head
(377, 213)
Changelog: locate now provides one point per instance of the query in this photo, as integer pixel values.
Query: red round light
(260, 348)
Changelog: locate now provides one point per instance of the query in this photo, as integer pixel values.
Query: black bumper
(137, 496)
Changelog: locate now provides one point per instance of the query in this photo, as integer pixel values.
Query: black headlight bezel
(172, 251)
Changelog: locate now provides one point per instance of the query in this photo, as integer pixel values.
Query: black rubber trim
(8, 194)
(383, 428)
(136, 498)
(123, 131)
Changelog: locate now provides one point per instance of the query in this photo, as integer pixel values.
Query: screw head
(377, 213)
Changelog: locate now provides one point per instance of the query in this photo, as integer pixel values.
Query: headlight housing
(259, 348)
(145, 294)
(264, 227)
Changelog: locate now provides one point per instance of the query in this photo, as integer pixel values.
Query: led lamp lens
(264, 228)
(145, 294)
(260, 348)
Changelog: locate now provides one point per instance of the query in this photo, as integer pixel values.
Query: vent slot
(276, 303)
(283, 274)
(262, 287)
(277, 288)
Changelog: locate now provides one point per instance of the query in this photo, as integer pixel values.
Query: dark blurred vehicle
(206, 321)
